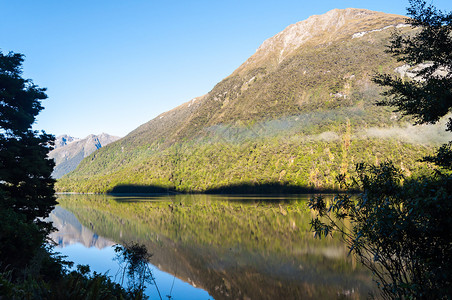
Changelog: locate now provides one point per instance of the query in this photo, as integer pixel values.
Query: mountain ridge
(254, 126)
(315, 27)
(63, 140)
(186, 110)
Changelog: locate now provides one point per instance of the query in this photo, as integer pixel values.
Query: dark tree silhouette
(26, 186)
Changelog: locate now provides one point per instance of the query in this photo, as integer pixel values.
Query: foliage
(77, 284)
(285, 164)
(442, 157)
(399, 231)
(133, 260)
(428, 96)
(26, 188)
(262, 125)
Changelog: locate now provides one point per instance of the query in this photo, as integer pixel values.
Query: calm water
(213, 247)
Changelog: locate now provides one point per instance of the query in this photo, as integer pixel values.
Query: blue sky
(112, 65)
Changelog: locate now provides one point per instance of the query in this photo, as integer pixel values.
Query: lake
(211, 246)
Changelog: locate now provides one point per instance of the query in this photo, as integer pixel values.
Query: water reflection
(232, 247)
(70, 231)
(83, 246)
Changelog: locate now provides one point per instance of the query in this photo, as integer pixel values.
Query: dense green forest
(204, 166)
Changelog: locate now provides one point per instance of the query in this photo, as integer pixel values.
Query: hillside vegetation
(296, 113)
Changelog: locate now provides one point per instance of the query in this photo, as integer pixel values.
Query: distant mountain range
(70, 151)
(297, 113)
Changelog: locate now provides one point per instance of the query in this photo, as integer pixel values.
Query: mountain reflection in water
(237, 247)
(70, 231)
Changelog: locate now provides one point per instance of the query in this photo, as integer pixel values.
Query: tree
(399, 227)
(401, 232)
(428, 95)
(26, 186)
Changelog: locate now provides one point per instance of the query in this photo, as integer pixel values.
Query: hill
(295, 114)
(70, 151)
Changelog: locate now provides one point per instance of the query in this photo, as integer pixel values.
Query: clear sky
(112, 65)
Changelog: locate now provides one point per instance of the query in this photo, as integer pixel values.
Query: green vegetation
(427, 97)
(204, 166)
(399, 231)
(68, 155)
(79, 284)
(293, 124)
(399, 227)
(26, 188)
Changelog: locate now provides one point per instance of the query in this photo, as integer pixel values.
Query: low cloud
(419, 134)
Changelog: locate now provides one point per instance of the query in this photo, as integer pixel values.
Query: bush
(399, 229)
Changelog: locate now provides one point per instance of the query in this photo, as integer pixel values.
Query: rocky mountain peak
(63, 140)
(319, 29)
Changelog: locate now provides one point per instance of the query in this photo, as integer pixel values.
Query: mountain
(295, 114)
(70, 151)
(63, 140)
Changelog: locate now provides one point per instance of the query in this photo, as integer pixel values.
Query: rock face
(70, 151)
(318, 29)
(63, 140)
